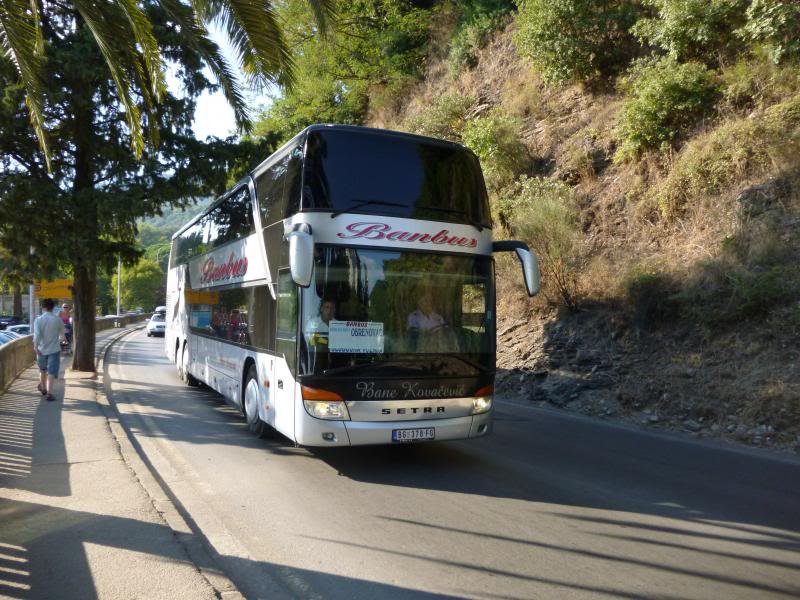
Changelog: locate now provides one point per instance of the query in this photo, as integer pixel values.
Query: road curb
(169, 508)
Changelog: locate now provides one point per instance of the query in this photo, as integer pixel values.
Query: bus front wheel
(250, 402)
(187, 377)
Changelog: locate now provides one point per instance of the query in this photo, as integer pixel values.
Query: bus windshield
(397, 313)
(357, 171)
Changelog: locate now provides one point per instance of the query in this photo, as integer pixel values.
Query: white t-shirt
(316, 325)
(47, 332)
(419, 320)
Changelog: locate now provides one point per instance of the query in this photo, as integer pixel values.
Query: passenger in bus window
(425, 318)
(321, 323)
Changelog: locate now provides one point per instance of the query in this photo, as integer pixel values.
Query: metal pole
(30, 300)
(119, 283)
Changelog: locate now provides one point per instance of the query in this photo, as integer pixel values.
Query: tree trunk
(83, 318)
(17, 302)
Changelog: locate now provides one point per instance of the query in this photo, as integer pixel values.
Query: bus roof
(299, 139)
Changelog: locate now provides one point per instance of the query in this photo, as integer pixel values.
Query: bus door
(286, 346)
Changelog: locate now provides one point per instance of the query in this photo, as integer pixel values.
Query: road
(548, 506)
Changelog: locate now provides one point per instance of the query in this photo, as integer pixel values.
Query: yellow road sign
(57, 288)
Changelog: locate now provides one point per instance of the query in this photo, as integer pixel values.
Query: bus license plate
(411, 435)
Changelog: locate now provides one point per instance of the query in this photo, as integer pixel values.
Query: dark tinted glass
(242, 316)
(231, 220)
(391, 175)
(269, 187)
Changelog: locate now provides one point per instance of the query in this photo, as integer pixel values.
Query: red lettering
(383, 231)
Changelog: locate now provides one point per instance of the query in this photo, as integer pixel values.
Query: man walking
(47, 333)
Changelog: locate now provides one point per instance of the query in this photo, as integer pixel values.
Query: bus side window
(294, 184)
(269, 188)
(287, 317)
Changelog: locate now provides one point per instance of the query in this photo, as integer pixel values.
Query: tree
(125, 35)
(692, 29)
(141, 284)
(375, 48)
(81, 213)
(576, 40)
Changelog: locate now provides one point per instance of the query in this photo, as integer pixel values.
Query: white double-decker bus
(343, 292)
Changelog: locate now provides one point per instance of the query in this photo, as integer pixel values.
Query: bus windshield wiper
(452, 211)
(362, 203)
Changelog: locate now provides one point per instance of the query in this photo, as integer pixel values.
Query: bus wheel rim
(251, 401)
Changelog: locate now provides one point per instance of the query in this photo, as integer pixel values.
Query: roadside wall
(18, 355)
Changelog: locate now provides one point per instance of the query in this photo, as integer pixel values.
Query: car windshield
(399, 313)
(157, 317)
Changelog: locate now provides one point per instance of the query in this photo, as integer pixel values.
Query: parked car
(24, 329)
(13, 334)
(6, 337)
(6, 320)
(161, 309)
(156, 325)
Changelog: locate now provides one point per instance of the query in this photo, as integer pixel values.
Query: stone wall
(18, 355)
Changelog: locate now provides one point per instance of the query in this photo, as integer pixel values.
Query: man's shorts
(49, 363)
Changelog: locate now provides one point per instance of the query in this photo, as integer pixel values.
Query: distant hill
(173, 219)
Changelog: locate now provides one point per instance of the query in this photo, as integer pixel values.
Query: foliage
(479, 19)
(737, 150)
(652, 297)
(691, 29)
(124, 33)
(444, 118)
(775, 23)
(665, 99)
(576, 40)
(757, 81)
(82, 212)
(376, 48)
(544, 213)
(495, 138)
(141, 284)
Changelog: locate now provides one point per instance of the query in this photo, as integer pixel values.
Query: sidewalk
(75, 521)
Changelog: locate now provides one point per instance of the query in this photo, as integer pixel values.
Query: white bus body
(335, 326)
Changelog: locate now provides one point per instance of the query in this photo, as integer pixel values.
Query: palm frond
(21, 42)
(198, 39)
(117, 40)
(143, 34)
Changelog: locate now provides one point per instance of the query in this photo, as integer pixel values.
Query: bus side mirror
(530, 265)
(301, 257)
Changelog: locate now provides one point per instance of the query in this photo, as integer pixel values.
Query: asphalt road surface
(548, 506)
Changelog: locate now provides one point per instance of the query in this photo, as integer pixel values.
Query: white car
(156, 325)
(20, 329)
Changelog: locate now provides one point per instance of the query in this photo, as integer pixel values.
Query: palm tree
(124, 35)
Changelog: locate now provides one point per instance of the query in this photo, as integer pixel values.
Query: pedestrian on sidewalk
(47, 333)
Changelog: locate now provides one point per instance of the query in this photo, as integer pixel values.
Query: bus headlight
(482, 402)
(326, 409)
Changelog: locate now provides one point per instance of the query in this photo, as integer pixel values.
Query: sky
(213, 116)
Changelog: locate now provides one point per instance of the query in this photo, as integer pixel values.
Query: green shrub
(691, 29)
(756, 293)
(775, 23)
(735, 151)
(758, 81)
(495, 138)
(445, 118)
(479, 19)
(576, 40)
(665, 99)
(468, 41)
(545, 214)
(652, 297)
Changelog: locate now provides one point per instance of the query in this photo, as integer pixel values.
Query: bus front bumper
(318, 432)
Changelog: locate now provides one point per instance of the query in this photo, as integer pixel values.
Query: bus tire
(187, 377)
(250, 398)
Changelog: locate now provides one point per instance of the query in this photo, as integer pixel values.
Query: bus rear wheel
(187, 377)
(250, 402)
